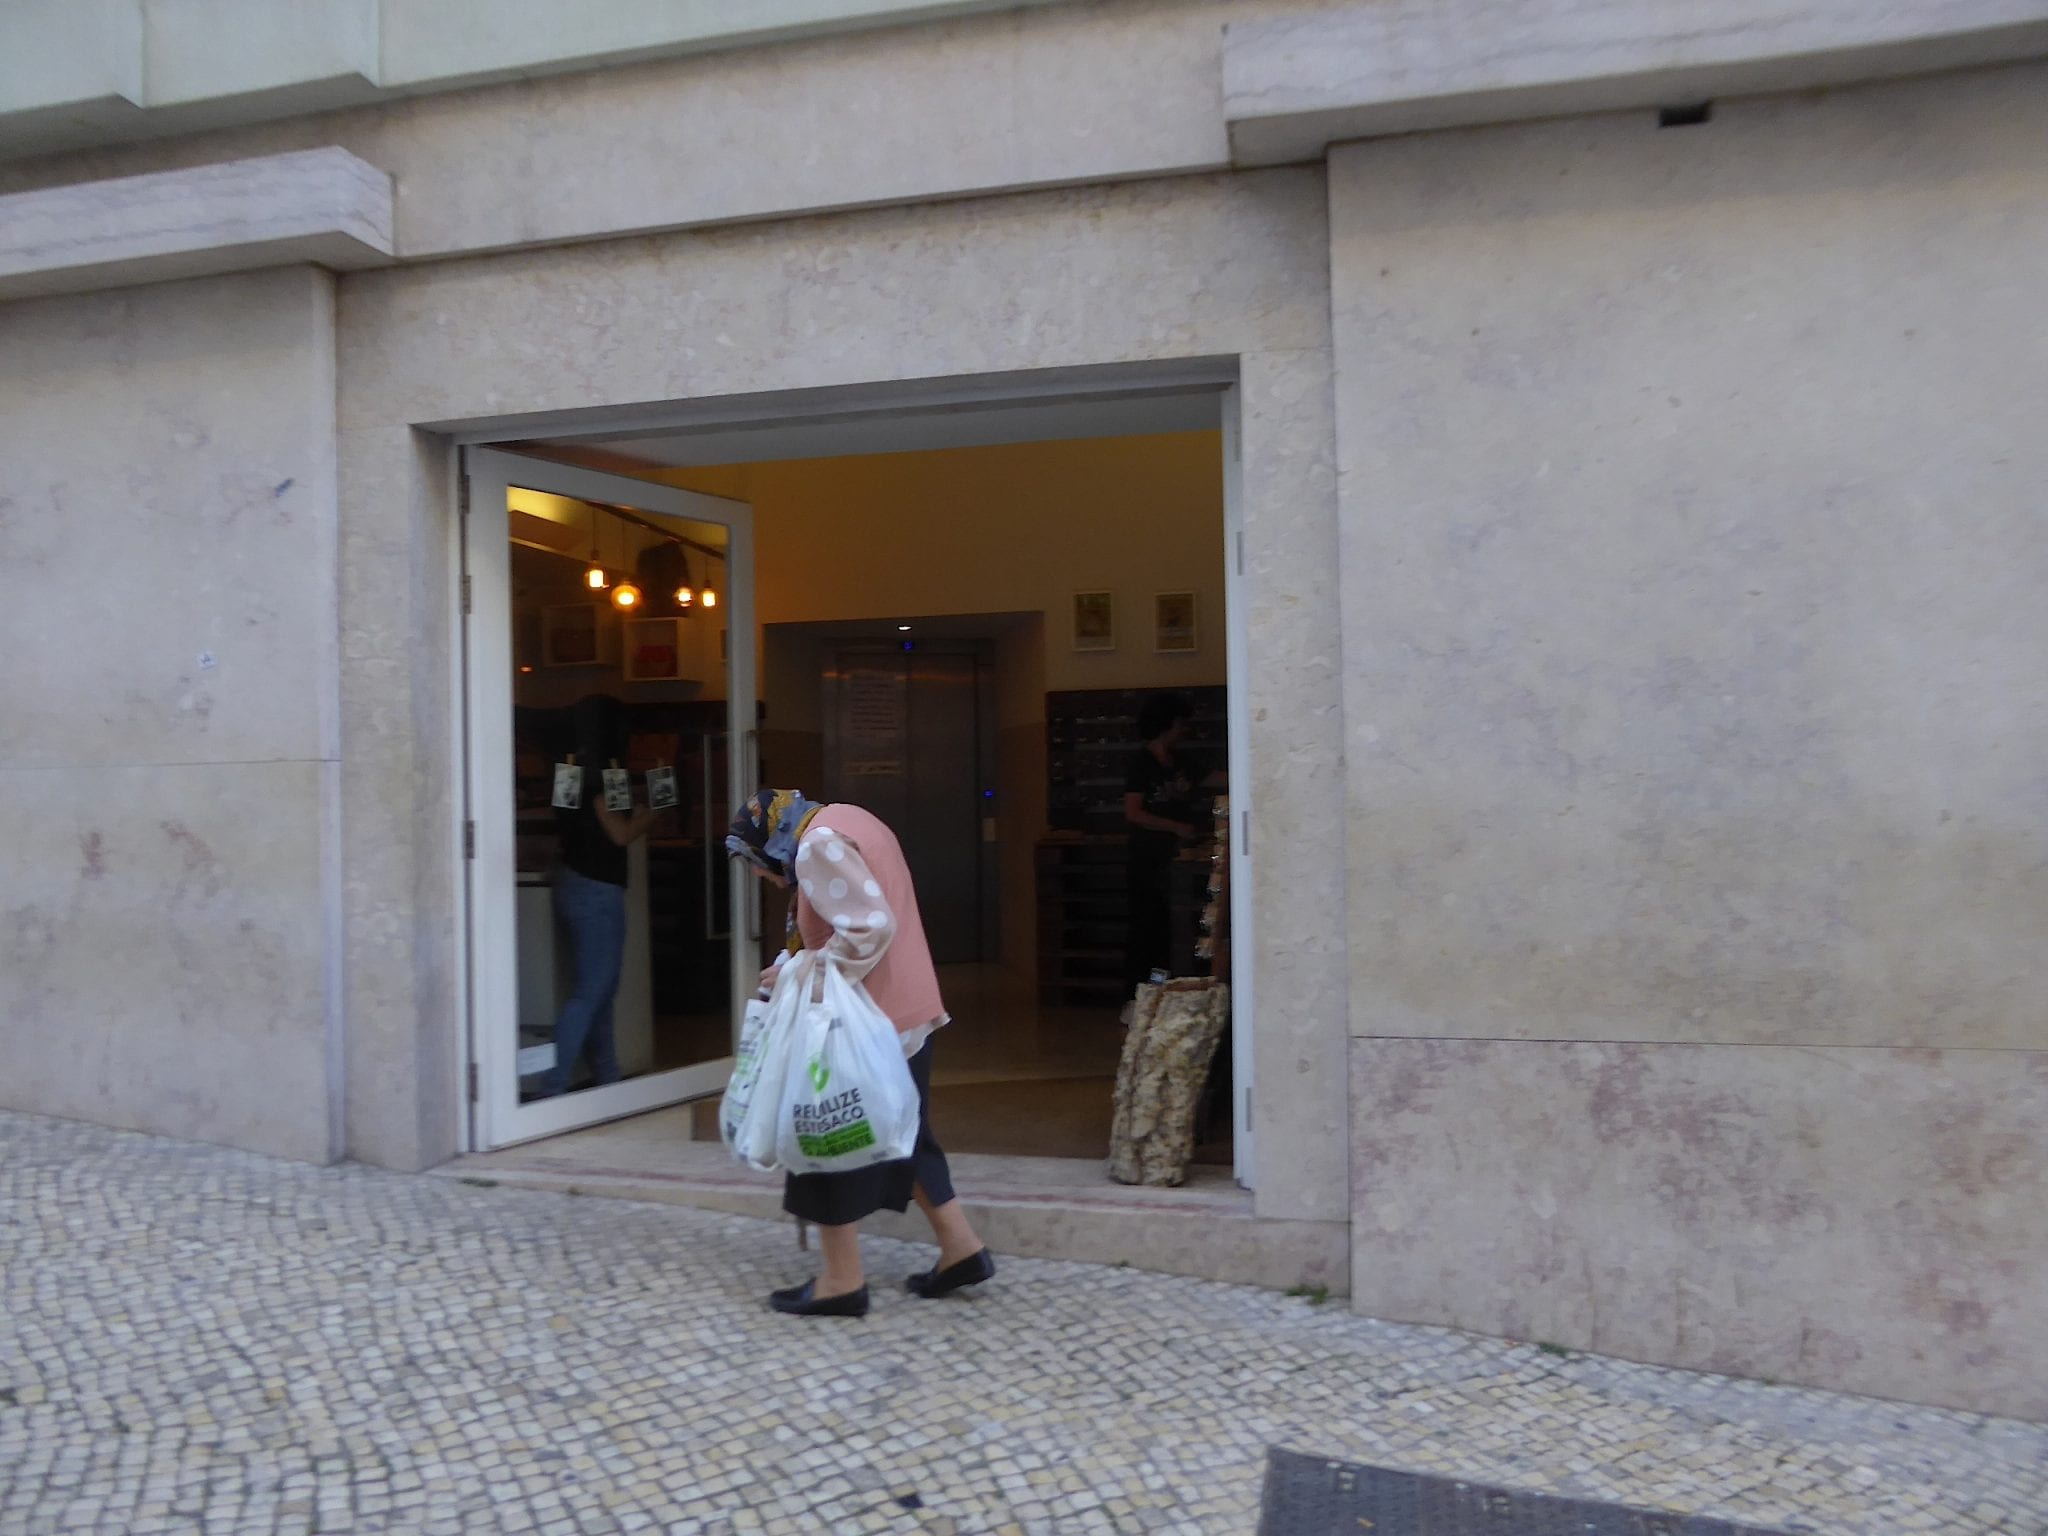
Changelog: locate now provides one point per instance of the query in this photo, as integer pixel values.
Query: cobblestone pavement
(204, 1341)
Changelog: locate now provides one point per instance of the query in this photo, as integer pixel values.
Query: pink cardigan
(854, 867)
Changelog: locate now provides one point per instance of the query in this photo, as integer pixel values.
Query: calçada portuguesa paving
(197, 1340)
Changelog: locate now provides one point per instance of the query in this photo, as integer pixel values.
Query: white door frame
(489, 835)
(1237, 715)
(1213, 375)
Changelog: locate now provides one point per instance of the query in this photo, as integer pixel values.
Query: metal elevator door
(903, 738)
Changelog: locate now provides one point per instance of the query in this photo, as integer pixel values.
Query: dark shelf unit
(1083, 918)
(1089, 734)
(1083, 883)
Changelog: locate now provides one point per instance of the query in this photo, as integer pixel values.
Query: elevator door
(904, 740)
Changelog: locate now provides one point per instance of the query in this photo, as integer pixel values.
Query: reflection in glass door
(610, 634)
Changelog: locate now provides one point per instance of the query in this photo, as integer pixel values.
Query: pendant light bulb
(710, 598)
(625, 596)
(684, 596)
(595, 578)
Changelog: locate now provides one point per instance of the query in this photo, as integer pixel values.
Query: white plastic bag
(848, 1100)
(753, 1095)
(746, 1072)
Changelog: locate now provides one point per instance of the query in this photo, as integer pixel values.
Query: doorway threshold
(1029, 1207)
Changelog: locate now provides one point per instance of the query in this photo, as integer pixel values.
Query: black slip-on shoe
(933, 1283)
(804, 1301)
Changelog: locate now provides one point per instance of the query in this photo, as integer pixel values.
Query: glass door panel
(610, 679)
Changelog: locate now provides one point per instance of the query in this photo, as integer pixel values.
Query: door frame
(488, 834)
(791, 408)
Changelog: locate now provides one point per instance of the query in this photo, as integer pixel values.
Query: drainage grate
(1311, 1496)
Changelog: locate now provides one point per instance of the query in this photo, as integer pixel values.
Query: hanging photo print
(661, 788)
(618, 789)
(568, 786)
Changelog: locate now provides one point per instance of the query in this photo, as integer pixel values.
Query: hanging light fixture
(686, 595)
(595, 578)
(626, 597)
(710, 593)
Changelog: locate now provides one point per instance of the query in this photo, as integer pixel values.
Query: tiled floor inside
(205, 1341)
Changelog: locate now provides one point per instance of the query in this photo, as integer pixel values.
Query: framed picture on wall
(1094, 621)
(1173, 622)
(568, 635)
(654, 650)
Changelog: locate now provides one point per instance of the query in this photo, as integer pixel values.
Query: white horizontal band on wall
(322, 206)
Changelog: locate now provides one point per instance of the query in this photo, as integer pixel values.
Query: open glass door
(610, 651)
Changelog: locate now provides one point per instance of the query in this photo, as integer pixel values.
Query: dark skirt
(839, 1199)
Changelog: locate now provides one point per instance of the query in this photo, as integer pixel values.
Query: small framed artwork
(654, 650)
(1094, 621)
(568, 635)
(1173, 622)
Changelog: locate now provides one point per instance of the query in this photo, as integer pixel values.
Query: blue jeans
(595, 914)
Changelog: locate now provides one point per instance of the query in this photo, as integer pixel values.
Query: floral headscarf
(765, 831)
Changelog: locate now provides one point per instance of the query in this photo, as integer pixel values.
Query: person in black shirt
(1164, 804)
(590, 896)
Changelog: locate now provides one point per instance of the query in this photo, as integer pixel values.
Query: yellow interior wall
(1014, 528)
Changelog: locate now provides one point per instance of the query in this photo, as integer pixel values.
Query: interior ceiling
(919, 431)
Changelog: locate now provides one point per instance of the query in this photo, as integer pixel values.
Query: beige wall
(1202, 267)
(1692, 551)
(167, 902)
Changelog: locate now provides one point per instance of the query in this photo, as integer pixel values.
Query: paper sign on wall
(661, 788)
(618, 790)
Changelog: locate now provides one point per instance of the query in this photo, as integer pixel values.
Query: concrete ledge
(1206, 1230)
(1294, 86)
(318, 206)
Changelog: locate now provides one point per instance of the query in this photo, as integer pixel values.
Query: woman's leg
(594, 913)
(950, 1226)
(843, 1273)
(933, 1190)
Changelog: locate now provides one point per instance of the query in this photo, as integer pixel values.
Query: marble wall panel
(1864, 1220)
(169, 496)
(1692, 535)
(164, 950)
(169, 764)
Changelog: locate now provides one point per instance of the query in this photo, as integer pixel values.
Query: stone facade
(1642, 549)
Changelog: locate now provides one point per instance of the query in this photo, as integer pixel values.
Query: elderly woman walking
(853, 900)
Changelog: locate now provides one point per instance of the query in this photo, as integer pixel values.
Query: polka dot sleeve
(837, 883)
